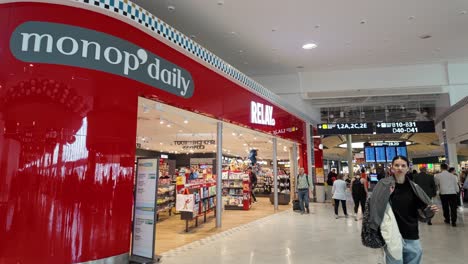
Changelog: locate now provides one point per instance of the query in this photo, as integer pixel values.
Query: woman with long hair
(409, 204)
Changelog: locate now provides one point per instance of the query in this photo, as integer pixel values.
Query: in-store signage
(261, 114)
(194, 144)
(62, 44)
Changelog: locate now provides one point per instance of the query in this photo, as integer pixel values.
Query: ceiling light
(171, 8)
(317, 26)
(309, 46)
(341, 114)
(186, 121)
(255, 138)
(168, 125)
(245, 144)
(234, 133)
(221, 2)
(462, 12)
(300, 67)
(160, 143)
(363, 22)
(411, 17)
(180, 131)
(161, 121)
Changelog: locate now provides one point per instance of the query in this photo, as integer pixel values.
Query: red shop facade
(70, 76)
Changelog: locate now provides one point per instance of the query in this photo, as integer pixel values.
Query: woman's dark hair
(363, 170)
(452, 169)
(402, 158)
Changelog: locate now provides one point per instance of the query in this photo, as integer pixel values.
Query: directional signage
(405, 127)
(345, 128)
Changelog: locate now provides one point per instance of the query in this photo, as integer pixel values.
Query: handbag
(370, 237)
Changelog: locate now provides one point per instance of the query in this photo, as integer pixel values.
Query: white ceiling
(264, 37)
(153, 135)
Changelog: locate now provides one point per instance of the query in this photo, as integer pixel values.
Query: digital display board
(405, 127)
(345, 128)
(401, 151)
(391, 153)
(369, 154)
(380, 154)
(384, 151)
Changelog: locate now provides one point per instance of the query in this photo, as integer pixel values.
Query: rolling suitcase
(296, 206)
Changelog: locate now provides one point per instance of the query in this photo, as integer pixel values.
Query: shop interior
(186, 145)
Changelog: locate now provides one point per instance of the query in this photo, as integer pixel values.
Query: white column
(275, 175)
(219, 170)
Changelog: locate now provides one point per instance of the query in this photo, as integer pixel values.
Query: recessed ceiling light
(186, 121)
(171, 8)
(462, 12)
(246, 63)
(363, 22)
(221, 2)
(411, 17)
(309, 46)
(240, 51)
(317, 26)
(426, 36)
(274, 29)
(300, 67)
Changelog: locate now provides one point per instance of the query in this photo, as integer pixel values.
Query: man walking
(304, 190)
(447, 184)
(427, 183)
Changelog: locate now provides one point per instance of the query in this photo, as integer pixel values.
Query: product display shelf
(236, 190)
(204, 196)
(166, 197)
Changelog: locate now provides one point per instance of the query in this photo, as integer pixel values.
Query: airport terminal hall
(233, 131)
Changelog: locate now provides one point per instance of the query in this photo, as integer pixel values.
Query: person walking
(427, 183)
(406, 200)
(304, 190)
(447, 184)
(339, 195)
(359, 193)
(253, 183)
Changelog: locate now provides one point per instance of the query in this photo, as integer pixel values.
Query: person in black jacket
(427, 183)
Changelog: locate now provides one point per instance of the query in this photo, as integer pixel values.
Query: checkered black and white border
(148, 20)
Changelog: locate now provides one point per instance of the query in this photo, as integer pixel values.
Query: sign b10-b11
(376, 128)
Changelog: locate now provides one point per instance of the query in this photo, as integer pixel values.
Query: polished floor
(288, 237)
(170, 231)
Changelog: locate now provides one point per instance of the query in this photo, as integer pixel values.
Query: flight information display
(405, 127)
(384, 151)
(401, 151)
(369, 154)
(345, 128)
(391, 153)
(380, 154)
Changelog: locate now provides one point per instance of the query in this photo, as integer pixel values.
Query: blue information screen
(380, 154)
(391, 153)
(402, 151)
(370, 154)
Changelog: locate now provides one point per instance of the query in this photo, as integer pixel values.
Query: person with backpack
(304, 190)
(407, 203)
(359, 193)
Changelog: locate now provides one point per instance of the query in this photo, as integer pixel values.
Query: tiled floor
(288, 237)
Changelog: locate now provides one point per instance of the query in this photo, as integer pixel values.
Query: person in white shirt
(339, 194)
(447, 184)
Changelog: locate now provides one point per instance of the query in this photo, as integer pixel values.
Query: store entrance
(185, 145)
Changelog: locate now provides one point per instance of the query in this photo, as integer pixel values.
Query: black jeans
(449, 206)
(252, 192)
(343, 204)
(359, 200)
